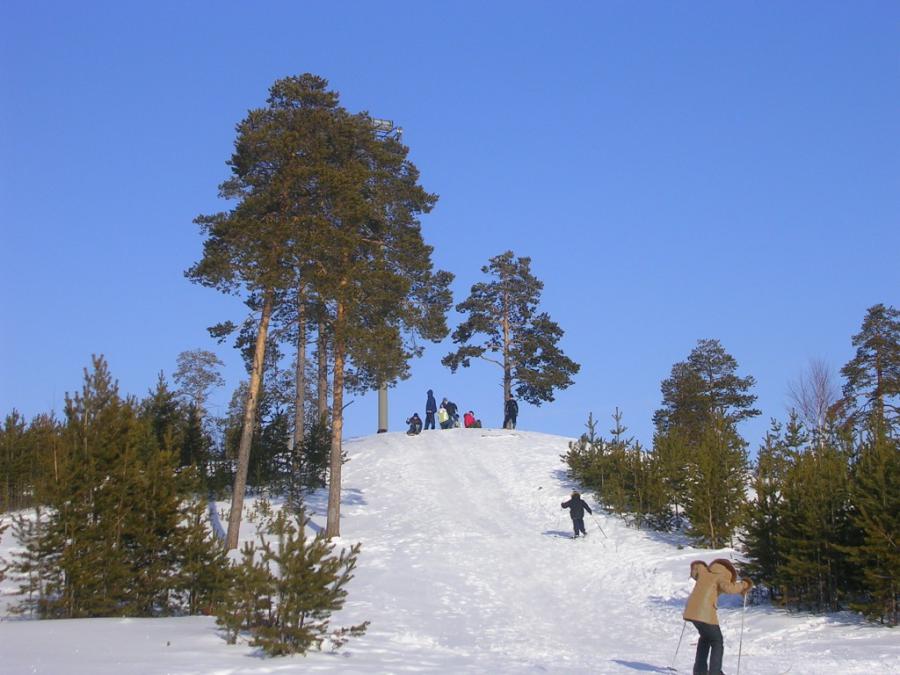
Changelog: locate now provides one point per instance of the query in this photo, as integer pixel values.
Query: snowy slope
(467, 567)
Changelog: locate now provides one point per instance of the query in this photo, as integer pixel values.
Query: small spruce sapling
(308, 588)
(247, 604)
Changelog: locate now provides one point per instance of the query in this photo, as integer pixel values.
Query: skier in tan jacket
(712, 580)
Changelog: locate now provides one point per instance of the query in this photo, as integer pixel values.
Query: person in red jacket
(712, 580)
(469, 419)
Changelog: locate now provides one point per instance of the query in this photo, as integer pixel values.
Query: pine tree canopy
(873, 375)
(703, 388)
(502, 319)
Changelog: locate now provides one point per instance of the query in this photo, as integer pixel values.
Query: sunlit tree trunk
(240, 479)
(333, 526)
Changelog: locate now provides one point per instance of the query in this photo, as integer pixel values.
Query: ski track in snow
(468, 566)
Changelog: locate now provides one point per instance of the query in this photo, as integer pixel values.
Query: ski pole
(741, 641)
(683, 626)
(597, 523)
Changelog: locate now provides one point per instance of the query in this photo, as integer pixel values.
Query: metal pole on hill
(382, 409)
(383, 129)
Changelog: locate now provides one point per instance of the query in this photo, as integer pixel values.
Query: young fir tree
(15, 463)
(3, 563)
(247, 602)
(196, 444)
(672, 457)
(876, 515)
(85, 529)
(34, 563)
(696, 433)
(28, 460)
(203, 574)
(625, 471)
(164, 414)
(150, 520)
(815, 573)
(765, 512)
(109, 542)
(586, 461)
(308, 587)
(316, 451)
(715, 491)
(503, 326)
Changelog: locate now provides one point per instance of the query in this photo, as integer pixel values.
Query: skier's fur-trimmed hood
(718, 577)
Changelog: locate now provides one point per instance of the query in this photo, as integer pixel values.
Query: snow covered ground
(466, 567)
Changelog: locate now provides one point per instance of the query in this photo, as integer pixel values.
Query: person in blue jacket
(430, 409)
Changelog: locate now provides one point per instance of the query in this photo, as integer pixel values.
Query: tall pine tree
(504, 326)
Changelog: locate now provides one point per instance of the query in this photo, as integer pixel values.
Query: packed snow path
(467, 566)
(467, 554)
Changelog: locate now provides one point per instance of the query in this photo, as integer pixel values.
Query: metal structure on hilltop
(384, 129)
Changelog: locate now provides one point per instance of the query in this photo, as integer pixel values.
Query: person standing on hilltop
(718, 577)
(453, 412)
(443, 416)
(510, 413)
(430, 410)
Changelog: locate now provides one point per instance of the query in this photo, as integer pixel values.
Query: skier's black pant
(711, 644)
(578, 526)
(429, 420)
(509, 422)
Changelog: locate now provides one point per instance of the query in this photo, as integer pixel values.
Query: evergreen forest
(817, 513)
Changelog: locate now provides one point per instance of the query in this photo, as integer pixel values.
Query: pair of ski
(671, 669)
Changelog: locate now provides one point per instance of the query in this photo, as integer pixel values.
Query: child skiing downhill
(577, 506)
(712, 580)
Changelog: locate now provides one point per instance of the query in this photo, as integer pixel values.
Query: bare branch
(813, 393)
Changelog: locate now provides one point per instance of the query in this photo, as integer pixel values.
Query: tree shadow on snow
(643, 667)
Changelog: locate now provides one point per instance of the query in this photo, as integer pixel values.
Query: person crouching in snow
(415, 425)
(469, 419)
(577, 506)
(712, 580)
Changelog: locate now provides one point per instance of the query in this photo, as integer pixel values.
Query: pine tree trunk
(333, 526)
(296, 445)
(322, 386)
(300, 391)
(240, 479)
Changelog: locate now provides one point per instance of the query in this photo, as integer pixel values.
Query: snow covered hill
(467, 566)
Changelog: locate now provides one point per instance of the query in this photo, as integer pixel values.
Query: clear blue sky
(676, 171)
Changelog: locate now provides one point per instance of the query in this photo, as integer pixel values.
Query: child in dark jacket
(577, 506)
(415, 425)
